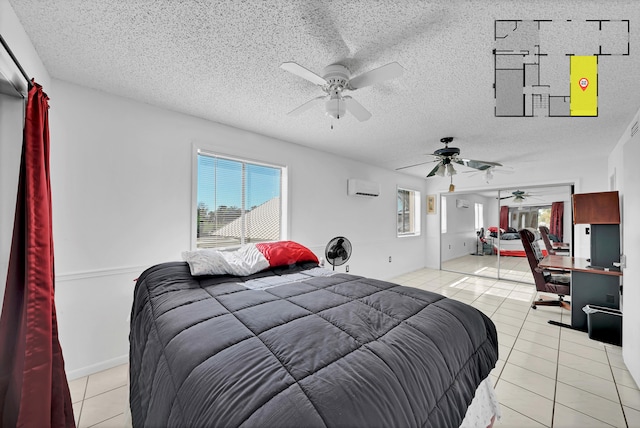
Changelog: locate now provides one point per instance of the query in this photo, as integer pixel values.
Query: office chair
(545, 280)
(544, 231)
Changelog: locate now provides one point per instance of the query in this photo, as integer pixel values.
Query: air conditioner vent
(357, 187)
(634, 128)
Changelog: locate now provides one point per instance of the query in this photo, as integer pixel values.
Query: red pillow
(283, 253)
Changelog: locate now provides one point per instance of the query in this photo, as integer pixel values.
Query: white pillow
(245, 261)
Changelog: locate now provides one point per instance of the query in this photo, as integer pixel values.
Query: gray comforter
(300, 347)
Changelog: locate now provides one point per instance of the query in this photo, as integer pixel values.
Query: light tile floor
(546, 376)
(101, 399)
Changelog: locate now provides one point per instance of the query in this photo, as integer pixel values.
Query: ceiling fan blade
(300, 71)
(477, 164)
(416, 164)
(306, 106)
(380, 74)
(356, 109)
(433, 171)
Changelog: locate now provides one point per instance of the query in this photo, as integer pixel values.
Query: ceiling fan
(335, 80)
(518, 196)
(448, 155)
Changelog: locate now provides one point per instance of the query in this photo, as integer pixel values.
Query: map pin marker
(584, 83)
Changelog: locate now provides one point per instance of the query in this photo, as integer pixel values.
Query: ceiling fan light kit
(335, 108)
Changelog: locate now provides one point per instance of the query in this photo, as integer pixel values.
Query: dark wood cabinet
(596, 208)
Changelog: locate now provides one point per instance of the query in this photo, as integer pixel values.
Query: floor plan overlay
(546, 68)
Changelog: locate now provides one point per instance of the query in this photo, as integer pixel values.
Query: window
(443, 214)
(531, 216)
(408, 212)
(238, 201)
(479, 217)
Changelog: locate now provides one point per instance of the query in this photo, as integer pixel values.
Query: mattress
(299, 345)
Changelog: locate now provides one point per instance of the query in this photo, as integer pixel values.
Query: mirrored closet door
(479, 230)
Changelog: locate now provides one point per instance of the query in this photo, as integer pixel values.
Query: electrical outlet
(586, 230)
(389, 259)
(347, 268)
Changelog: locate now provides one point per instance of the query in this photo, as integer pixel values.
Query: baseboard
(95, 368)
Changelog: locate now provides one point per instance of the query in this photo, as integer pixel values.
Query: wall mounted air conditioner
(357, 187)
(462, 203)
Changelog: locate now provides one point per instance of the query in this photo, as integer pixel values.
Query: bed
(294, 344)
(510, 244)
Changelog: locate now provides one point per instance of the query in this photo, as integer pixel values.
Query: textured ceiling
(220, 60)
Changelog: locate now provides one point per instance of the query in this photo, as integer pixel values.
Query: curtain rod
(15, 60)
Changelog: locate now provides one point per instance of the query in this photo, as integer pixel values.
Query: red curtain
(33, 385)
(504, 217)
(557, 220)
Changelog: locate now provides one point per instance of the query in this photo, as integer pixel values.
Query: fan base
(447, 152)
(336, 74)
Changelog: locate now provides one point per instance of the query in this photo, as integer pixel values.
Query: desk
(561, 247)
(589, 286)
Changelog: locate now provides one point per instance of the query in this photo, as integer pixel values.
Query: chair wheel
(534, 306)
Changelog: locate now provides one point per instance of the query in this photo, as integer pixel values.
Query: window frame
(443, 214)
(478, 215)
(417, 214)
(198, 149)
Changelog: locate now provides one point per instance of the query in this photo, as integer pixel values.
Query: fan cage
(338, 251)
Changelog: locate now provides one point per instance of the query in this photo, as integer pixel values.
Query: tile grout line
(555, 385)
(624, 415)
(523, 415)
(529, 309)
(105, 391)
(84, 392)
(85, 398)
(108, 419)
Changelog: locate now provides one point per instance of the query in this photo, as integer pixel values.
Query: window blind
(238, 202)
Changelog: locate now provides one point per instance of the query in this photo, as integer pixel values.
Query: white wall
(121, 185)
(624, 177)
